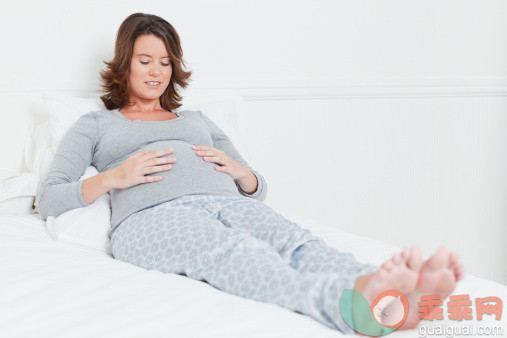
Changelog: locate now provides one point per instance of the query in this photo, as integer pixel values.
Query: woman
(199, 213)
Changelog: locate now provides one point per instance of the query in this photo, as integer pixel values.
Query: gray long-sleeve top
(105, 138)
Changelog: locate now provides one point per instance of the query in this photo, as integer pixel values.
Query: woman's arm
(253, 183)
(248, 183)
(61, 190)
(96, 186)
(128, 174)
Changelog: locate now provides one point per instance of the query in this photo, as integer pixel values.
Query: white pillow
(20, 205)
(38, 152)
(42, 141)
(87, 226)
(64, 111)
(17, 192)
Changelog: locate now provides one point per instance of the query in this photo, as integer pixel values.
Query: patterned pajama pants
(243, 247)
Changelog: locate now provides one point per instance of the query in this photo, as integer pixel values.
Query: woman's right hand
(131, 172)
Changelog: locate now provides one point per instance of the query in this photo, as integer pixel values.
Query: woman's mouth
(153, 84)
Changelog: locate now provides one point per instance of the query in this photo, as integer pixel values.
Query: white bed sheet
(53, 289)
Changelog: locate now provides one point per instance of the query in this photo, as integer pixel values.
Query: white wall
(259, 43)
(407, 101)
(408, 171)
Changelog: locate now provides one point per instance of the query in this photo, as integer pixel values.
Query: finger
(205, 153)
(154, 169)
(139, 154)
(156, 153)
(147, 179)
(215, 159)
(157, 161)
(203, 147)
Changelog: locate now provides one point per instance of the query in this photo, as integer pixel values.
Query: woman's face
(150, 63)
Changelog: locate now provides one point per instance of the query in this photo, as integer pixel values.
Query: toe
(405, 254)
(388, 265)
(397, 259)
(416, 260)
(453, 258)
(460, 274)
(459, 271)
(439, 260)
(456, 265)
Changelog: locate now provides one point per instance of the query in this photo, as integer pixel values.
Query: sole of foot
(438, 275)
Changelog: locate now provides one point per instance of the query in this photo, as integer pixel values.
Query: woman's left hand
(209, 154)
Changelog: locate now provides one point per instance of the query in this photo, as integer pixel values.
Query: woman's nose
(155, 71)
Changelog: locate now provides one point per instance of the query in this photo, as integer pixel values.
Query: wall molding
(360, 89)
(275, 89)
(305, 93)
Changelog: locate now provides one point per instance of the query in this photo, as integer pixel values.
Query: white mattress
(54, 289)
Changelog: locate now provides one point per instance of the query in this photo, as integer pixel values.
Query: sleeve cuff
(80, 194)
(260, 193)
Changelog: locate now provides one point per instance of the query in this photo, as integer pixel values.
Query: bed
(58, 286)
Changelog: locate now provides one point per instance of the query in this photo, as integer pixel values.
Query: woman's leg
(404, 272)
(297, 246)
(182, 237)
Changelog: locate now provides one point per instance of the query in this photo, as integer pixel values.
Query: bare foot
(438, 275)
(400, 273)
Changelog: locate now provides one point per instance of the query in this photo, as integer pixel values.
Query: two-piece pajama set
(197, 221)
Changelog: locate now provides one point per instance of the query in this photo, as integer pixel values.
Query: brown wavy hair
(115, 82)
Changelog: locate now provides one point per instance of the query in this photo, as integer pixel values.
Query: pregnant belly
(187, 162)
(189, 170)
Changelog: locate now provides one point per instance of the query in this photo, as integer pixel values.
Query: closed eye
(146, 62)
